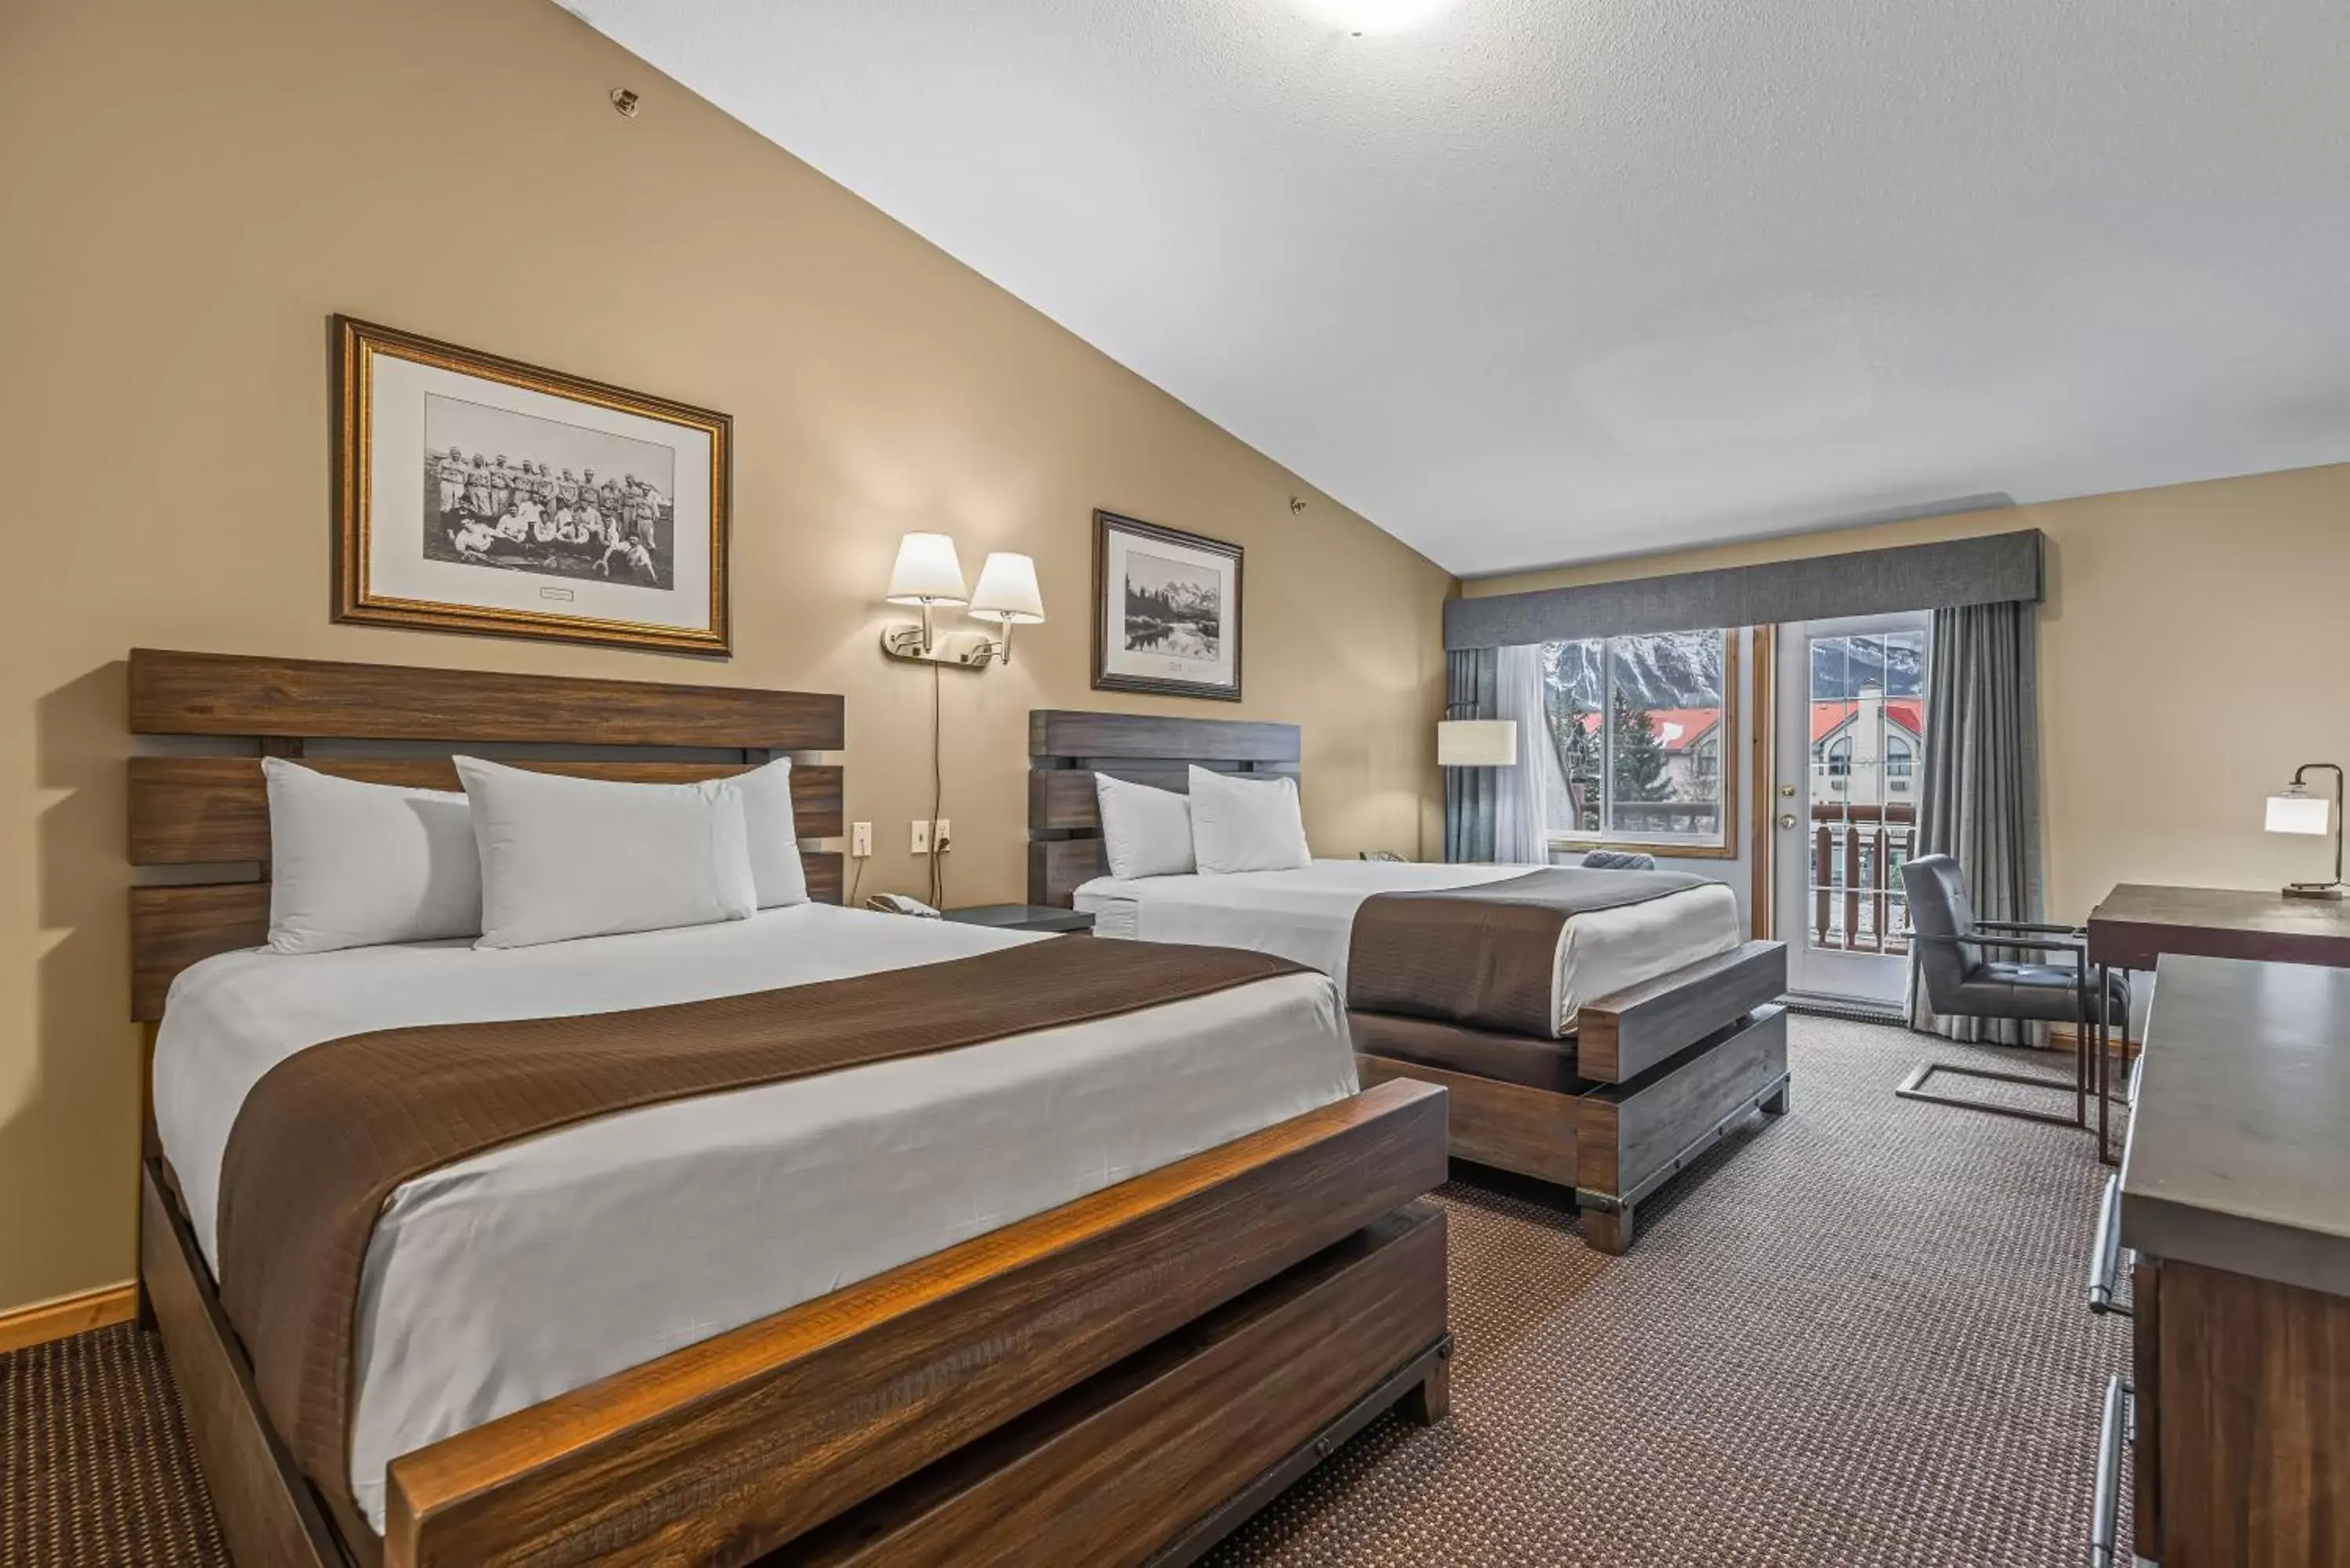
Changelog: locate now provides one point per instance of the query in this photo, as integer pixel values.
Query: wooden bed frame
(1120, 1380)
(1653, 1076)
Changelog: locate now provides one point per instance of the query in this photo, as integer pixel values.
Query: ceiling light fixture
(1361, 17)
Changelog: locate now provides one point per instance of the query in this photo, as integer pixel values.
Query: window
(1640, 726)
(1901, 757)
(1840, 757)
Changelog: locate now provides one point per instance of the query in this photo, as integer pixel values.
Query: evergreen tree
(1639, 755)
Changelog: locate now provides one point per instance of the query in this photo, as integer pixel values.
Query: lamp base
(965, 652)
(2332, 891)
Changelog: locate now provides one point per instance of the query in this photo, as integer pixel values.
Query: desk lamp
(2298, 811)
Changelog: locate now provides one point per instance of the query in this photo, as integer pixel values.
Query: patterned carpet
(1854, 1336)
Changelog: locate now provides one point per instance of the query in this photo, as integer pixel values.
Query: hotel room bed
(1597, 1030)
(898, 1310)
(489, 1282)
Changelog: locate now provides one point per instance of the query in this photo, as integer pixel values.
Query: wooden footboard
(1661, 1072)
(1619, 1037)
(1637, 1135)
(732, 1447)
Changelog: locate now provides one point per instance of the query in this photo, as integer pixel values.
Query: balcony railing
(1858, 853)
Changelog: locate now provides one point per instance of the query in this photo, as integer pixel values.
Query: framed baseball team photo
(476, 494)
(1167, 610)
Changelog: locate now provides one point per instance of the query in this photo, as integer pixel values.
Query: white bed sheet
(1308, 915)
(492, 1283)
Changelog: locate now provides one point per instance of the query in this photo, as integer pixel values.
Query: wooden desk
(2135, 925)
(2233, 1201)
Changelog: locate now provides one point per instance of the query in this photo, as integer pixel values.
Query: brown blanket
(1485, 956)
(328, 1133)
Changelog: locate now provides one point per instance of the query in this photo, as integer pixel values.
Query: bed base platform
(1655, 1076)
(1120, 1380)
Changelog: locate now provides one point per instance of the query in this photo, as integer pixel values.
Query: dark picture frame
(1168, 610)
(641, 564)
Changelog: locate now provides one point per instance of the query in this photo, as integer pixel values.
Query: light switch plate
(922, 841)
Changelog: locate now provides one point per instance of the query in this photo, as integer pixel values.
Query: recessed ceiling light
(1378, 16)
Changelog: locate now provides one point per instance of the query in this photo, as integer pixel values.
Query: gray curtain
(1469, 675)
(1982, 795)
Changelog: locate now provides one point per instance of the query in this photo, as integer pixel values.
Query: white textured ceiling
(1544, 280)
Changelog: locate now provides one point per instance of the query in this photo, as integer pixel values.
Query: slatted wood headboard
(192, 810)
(1066, 749)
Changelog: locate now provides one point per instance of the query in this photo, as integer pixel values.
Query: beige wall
(2191, 654)
(190, 191)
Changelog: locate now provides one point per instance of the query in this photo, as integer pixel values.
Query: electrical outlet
(860, 839)
(940, 837)
(921, 838)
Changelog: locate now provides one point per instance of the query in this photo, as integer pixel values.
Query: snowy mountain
(1667, 669)
(1683, 669)
(1841, 666)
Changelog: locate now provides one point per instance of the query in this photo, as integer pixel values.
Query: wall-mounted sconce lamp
(1009, 597)
(2298, 811)
(928, 574)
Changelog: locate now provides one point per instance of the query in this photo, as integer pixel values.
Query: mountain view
(1841, 666)
(1662, 669)
(1683, 669)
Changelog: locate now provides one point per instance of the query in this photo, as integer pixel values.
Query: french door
(1850, 764)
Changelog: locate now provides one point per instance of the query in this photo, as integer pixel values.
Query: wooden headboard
(210, 810)
(1066, 749)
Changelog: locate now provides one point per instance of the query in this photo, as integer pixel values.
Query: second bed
(1597, 1030)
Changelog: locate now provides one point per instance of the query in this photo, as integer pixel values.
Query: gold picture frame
(432, 536)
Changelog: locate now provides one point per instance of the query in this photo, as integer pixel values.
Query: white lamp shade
(1007, 590)
(927, 572)
(2300, 814)
(1477, 743)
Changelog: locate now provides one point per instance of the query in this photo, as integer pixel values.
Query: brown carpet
(1855, 1336)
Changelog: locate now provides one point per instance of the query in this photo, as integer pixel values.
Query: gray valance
(1996, 568)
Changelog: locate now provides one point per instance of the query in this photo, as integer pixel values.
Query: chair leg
(2082, 1047)
(1913, 1088)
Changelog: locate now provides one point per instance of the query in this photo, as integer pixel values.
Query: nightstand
(1023, 918)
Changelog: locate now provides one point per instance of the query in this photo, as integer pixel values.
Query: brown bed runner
(329, 1134)
(1483, 956)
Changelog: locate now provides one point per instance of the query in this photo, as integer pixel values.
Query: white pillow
(355, 865)
(565, 858)
(1246, 825)
(776, 873)
(1145, 832)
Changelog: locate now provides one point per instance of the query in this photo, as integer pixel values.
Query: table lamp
(1477, 743)
(2298, 811)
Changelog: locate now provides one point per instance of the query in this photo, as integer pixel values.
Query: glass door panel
(1853, 698)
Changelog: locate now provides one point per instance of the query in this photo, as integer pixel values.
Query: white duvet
(540, 1266)
(1307, 916)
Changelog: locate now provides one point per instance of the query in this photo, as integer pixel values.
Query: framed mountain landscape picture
(476, 494)
(1167, 610)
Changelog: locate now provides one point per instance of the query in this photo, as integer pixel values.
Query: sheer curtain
(1523, 793)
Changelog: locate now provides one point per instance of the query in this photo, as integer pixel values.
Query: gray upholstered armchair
(2020, 970)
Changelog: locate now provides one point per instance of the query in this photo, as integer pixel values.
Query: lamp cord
(938, 796)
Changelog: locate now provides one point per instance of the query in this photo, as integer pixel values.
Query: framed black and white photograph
(476, 494)
(1167, 610)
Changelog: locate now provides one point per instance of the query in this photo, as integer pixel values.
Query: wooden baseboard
(45, 1321)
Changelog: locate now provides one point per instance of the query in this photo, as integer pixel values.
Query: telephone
(899, 904)
(1385, 857)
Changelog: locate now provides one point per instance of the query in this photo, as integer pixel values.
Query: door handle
(1786, 819)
